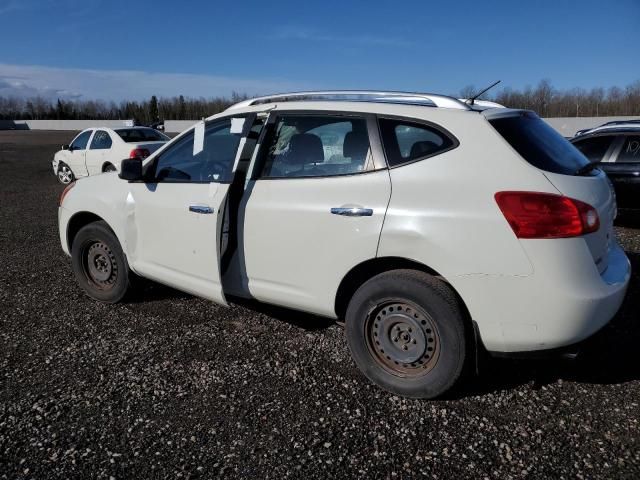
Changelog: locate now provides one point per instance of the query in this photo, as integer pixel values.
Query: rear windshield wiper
(583, 170)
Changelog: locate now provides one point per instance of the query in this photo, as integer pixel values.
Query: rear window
(539, 144)
(141, 135)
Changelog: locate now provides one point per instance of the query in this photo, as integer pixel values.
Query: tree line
(544, 99)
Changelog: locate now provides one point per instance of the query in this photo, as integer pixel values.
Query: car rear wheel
(108, 168)
(406, 333)
(65, 175)
(99, 264)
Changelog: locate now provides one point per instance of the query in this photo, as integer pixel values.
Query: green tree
(153, 109)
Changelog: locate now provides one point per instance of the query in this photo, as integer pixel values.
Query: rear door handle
(200, 209)
(352, 211)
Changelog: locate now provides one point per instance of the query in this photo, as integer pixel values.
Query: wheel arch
(79, 220)
(106, 164)
(368, 269)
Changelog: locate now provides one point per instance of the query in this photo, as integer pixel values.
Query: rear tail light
(139, 153)
(65, 191)
(546, 215)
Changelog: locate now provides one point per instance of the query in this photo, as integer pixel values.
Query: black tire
(65, 175)
(420, 322)
(99, 265)
(108, 168)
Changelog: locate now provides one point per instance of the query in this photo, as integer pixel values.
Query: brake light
(139, 153)
(65, 191)
(546, 215)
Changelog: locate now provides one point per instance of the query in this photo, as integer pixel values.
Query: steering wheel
(213, 170)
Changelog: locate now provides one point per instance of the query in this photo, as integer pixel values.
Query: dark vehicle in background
(612, 124)
(617, 150)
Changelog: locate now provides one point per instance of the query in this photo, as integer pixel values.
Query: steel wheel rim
(402, 338)
(65, 175)
(100, 265)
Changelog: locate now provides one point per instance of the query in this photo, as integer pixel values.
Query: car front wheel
(65, 175)
(99, 265)
(406, 333)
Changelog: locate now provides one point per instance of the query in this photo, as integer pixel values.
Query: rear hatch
(565, 167)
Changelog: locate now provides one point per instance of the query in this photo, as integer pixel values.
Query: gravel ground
(176, 387)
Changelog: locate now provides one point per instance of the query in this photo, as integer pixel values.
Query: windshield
(539, 144)
(141, 135)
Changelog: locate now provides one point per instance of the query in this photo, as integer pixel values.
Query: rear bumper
(564, 301)
(54, 166)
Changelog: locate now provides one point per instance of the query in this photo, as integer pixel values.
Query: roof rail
(407, 98)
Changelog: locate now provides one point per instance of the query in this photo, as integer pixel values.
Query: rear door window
(539, 144)
(316, 146)
(630, 151)
(594, 148)
(101, 141)
(405, 142)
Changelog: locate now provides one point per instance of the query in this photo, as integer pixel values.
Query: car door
(76, 154)
(624, 171)
(313, 207)
(98, 152)
(175, 216)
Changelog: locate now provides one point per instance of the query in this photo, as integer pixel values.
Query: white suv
(431, 226)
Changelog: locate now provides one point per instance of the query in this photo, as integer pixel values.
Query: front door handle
(352, 211)
(200, 209)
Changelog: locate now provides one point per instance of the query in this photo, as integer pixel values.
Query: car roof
(370, 96)
(137, 127)
(609, 129)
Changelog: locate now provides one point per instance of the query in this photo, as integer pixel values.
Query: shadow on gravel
(610, 357)
(628, 219)
(306, 321)
(148, 291)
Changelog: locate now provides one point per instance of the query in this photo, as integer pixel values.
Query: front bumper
(63, 222)
(564, 301)
(54, 166)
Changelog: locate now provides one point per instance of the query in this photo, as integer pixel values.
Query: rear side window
(539, 144)
(316, 146)
(630, 149)
(594, 148)
(406, 142)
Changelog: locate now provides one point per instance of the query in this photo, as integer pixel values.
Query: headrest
(356, 145)
(420, 149)
(305, 148)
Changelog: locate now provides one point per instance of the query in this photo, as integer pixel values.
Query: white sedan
(99, 150)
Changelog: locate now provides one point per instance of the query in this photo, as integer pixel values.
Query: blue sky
(113, 49)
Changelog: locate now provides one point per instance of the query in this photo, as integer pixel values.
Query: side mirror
(131, 170)
(66, 147)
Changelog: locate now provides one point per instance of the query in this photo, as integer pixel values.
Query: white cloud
(312, 35)
(51, 82)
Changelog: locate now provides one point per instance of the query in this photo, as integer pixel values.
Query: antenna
(473, 99)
